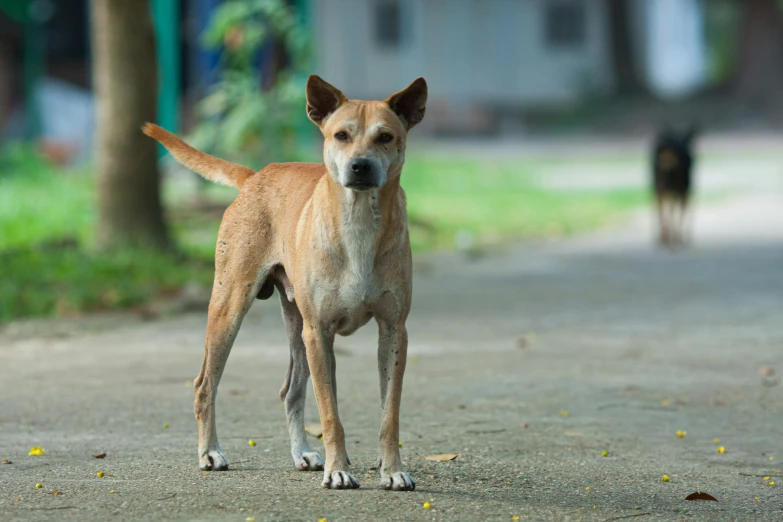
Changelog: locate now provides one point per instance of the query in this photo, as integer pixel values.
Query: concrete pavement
(623, 346)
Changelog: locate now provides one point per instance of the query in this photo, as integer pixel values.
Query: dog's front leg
(319, 344)
(392, 354)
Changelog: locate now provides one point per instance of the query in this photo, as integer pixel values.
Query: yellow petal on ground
(766, 478)
(721, 450)
(565, 413)
(165, 426)
(665, 402)
(443, 457)
(665, 478)
(399, 444)
(515, 517)
(36, 451)
(771, 483)
(426, 505)
(681, 434)
(251, 442)
(100, 474)
(38, 486)
(250, 519)
(314, 430)
(716, 441)
(111, 491)
(604, 453)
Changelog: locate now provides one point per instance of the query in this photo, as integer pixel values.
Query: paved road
(626, 345)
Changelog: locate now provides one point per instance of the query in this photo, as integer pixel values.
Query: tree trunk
(760, 64)
(124, 72)
(627, 79)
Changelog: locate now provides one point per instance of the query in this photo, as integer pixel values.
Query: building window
(565, 24)
(387, 23)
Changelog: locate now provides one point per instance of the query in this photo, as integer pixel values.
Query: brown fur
(337, 256)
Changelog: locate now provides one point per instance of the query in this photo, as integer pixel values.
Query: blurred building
(481, 58)
(490, 64)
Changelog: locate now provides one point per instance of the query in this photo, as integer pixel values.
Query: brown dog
(333, 239)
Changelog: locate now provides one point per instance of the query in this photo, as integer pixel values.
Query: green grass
(497, 201)
(47, 217)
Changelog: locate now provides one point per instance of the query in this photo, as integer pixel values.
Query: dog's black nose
(361, 166)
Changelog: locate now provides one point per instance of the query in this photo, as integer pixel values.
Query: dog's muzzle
(362, 175)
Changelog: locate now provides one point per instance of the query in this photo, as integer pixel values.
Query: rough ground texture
(624, 345)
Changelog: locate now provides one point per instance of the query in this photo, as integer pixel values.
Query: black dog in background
(673, 162)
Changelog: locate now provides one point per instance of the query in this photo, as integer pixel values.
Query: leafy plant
(248, 117)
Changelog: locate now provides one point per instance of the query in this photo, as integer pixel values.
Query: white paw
(309, 461)
(399, 481)
(339, 480)
(213, 460)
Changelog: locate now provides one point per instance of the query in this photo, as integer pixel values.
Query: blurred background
(539, 124)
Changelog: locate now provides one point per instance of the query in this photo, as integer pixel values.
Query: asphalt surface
(529, 363)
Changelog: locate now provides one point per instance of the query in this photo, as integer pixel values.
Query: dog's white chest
(349, 303)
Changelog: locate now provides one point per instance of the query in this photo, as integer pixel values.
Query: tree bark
(626, 76)
(125, 76)
(760, 64)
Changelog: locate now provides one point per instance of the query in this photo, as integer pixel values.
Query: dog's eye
(385, 137)
(341, 136)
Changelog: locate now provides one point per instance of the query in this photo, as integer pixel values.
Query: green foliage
(246, 117)
(46, 264)
(57, 279)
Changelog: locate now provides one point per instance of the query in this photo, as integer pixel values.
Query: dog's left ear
(410, 103)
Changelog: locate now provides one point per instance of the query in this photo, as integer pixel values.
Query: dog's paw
(213, 460)
(399, 481)
(339, 480)
(309, 461)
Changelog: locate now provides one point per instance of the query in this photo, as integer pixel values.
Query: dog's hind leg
(294, 390)
(682, 223)
(660, 206)
(239, 273)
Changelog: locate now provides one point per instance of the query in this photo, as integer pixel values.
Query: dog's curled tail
(212, 168)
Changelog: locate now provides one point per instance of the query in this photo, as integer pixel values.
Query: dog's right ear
(322, 99)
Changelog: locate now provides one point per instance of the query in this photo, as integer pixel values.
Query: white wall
(476, 51)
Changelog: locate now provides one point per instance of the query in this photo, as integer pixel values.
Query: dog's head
(364, 141)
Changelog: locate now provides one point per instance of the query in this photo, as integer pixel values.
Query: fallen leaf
(56, 492)
(766, 371)
(523, 341)
(314, 430)
(101, 456)
(700, 495)
(7, 462)
(443, 457)
(523, 425)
